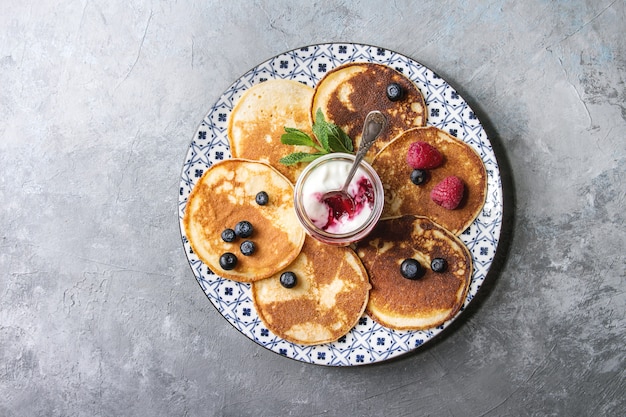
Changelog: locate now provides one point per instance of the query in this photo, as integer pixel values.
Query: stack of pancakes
(405, 304)
(404, 197)
(336, 285)
(329, 298)
(225, 196)
(348, 93)
(259, 118)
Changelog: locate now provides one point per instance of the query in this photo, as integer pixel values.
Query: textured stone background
(101, 315)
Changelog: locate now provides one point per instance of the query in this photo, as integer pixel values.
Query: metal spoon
(373, 126)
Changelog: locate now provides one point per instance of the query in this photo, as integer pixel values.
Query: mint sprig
(329, 138)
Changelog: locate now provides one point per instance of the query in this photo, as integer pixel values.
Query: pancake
(403, 304)
(347, 93)
(459, 159)
(224, 196)
(326, 303)
(259, 118)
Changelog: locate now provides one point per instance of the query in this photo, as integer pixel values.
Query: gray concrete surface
(101, 315)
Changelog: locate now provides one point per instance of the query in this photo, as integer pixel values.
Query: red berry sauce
(340, 207)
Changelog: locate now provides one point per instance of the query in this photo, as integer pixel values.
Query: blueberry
(247, 247)
(228, 261)
(228, 235)
(438, 265)
(411, 269)
(243, 229)
(418, 176)
(288, 279)
(394, 92)
(262, 198)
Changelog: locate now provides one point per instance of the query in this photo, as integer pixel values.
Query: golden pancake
(259, 118)
(459, 159)
(224, 196)
(403, 304)
(347, 93)
(329, 297)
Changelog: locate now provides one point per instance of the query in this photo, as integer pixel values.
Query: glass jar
(323, 219)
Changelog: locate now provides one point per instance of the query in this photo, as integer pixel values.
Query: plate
(368, 342)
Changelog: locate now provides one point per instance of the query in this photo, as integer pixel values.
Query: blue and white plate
(368, 342)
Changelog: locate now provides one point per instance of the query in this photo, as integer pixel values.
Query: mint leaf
(297, 157)
(297, 137)
(338, 140)
(330, 138)
(320, 129)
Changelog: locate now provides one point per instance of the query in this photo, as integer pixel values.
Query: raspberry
(448, 193)
(423, 155)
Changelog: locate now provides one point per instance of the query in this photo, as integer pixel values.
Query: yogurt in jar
(334, 220)
(335, 214)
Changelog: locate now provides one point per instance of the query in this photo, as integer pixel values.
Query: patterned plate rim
(368, 342)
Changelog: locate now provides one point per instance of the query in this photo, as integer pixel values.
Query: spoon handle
(373, 125)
